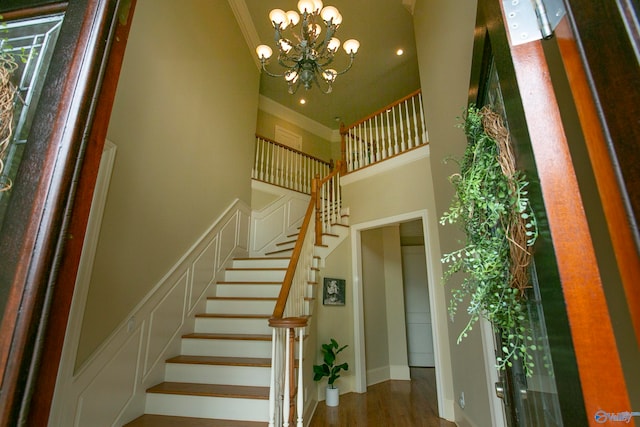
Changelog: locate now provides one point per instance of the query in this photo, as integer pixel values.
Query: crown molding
(243, 17)
(270, 106)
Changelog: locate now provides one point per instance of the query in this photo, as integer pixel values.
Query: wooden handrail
(314, 203)
(288, 322)
(281, 303)
(345, 129)
(286, 147)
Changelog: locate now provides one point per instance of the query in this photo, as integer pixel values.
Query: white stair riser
(257, 376)
(254, 275)
(226, 348)
(285, 251)
(216, 325)
(261, 263)
(207, 407)
(247, 290)
(240, 306)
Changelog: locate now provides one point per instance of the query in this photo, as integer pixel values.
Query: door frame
(437, 301)
(590, 377)
(44, 226)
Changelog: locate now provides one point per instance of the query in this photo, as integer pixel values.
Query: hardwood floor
(388, 404)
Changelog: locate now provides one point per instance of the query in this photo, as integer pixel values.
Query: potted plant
(331, 370)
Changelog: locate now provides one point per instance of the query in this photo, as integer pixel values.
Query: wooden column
(600, 371)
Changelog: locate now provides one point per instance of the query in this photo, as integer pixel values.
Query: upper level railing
(286, 167)
(392, 130)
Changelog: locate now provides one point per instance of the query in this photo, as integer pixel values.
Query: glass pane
(30, 42)
(530, 401)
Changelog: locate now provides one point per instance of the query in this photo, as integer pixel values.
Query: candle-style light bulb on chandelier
(306, 54)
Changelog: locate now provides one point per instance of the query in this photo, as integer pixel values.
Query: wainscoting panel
(109, 389)
(228, 239)
(112, 388)
(244, 228)
(297, 208)
(204, 270)
(164, 324)
(277, 219)
(269, 227)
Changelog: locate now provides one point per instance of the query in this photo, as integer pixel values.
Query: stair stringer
(332, 239)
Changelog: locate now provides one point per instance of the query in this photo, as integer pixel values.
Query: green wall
(184, 122)
(444, 38)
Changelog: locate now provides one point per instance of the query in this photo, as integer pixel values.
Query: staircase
(222, 376)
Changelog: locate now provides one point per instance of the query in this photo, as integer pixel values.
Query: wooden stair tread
(219, 360)
(330, 235)
(256, 269)
(148, 420)
(243, 298)
(261, 258)
(241, 337)
(280, 251)
(211, 390)
(232, 316)
(288, 242)
(248, 282)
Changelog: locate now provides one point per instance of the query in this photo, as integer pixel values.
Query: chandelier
(305, 53)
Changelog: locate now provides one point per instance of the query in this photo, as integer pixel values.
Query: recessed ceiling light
(303, 101)
(399, 52)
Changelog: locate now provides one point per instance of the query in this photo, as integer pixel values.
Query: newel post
(343, 149)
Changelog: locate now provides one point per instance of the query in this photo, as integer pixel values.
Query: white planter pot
(332, 396)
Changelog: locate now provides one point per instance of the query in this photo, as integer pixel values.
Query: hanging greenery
(492, 206)
(8, 65)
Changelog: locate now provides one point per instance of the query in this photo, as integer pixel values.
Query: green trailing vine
(8, 66)
(10, 59)
(492, 206)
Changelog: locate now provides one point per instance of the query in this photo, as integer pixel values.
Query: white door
(416, 300)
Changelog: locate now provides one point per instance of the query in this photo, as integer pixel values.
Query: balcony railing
(280, 165)
(388, 132)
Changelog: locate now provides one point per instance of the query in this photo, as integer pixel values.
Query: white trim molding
(132, 358)
(248, 28)
(272, 107)
(437, 300)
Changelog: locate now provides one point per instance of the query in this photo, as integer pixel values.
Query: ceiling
(378, 76)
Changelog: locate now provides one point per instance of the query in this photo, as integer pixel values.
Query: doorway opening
(383, 326)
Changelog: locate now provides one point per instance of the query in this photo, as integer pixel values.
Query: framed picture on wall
(333, 291)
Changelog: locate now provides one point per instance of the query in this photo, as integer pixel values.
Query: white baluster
(263, 145)
(332, 189)
(350, 161)
(254, 171)
(289, 168)
(425, 135)
(379, 140)
(287, 388)
(361, 152)
(280, 166)
(374, 147)
(396, 147)
(408, 124)
(272, 163)
(415, 120)
(272, 382)
(339, 198)
(299, 163)
(389, 142)
(300, 396)
(403, 143)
